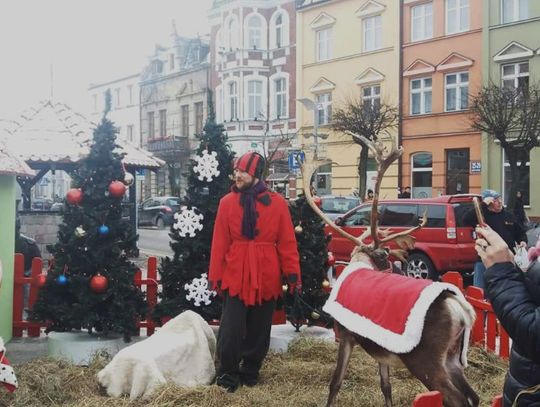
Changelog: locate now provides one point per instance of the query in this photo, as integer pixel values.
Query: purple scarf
(247, 200)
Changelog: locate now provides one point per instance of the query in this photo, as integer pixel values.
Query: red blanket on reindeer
(387, 308)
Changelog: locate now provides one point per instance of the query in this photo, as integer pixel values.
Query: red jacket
(252, 269)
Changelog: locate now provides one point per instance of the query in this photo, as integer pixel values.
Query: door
(354, 223)
(457, 171)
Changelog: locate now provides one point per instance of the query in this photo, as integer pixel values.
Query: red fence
(148, 284)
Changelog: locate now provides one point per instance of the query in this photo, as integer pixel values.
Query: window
(254, 28)
(130, 133)
(171, 62)
(117, 98)
(362, 217)
(422, 22)
(457, 171)
(157, 66)
(372, 33)
(457, 16)
(184, 117)
(163, 123)
(130, 94)
(399, 215)
(421, 96)
(324, 44)
(151, 125)
(457, 91)
(371, 95)
(516, 76)
(232, 32)
(514, 10)
(323, 184)
(436, 215)
(279, 31)
(422, 170)
(233, 100)
(254, 93)
(281, 97)
(324, 108)
(199, 117)
(523, 183)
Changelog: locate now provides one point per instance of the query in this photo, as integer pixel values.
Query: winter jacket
(503, 222)
(253, 269)
(513, 295)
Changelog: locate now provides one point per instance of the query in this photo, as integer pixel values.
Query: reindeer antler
(308, 168)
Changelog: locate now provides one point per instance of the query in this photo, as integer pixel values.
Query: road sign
(294, 156)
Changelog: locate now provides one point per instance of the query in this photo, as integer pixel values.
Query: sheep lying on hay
(181, 352)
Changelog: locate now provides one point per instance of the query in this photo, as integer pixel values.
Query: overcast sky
(85, 41)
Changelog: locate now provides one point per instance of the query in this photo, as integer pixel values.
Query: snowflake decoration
(188, 222)
(207, 165)
(198, 291)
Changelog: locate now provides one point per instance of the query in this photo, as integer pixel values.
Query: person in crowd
(253, 249)
(369, 196)
(515, 297)
(519, 211)
(501, 221)
(406, 194)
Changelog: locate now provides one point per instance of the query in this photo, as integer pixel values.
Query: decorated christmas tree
(91, 285)
(184, 276)
(314, 262)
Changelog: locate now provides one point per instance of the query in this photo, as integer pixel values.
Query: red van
(444, 244)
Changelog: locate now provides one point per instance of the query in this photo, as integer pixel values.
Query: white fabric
(181, 352)
(396, 343)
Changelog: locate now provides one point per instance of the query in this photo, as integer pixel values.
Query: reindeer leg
(386, 387)
(346, 345)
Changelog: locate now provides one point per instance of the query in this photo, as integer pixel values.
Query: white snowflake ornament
(188, 222)
(207, 166)
(199, 292)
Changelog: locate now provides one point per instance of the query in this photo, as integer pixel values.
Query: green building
(511, 56)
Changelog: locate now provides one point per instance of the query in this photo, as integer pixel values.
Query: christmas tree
(314, 262)
(184, 276)
(91, 285)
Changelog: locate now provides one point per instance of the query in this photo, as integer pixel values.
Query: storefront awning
(278, 177)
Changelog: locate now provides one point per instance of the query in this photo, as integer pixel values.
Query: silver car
(336, 206)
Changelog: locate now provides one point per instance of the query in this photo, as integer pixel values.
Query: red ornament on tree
(331, 259)
(74, 196)
(41, 279)
(317, 201)
(117, 189)
(98, 283)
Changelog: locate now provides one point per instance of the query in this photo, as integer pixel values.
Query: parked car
(335, 206)
(443, 244)
(158, 211)
(41, 204)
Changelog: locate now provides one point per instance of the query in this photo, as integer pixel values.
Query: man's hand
(523, 244)
(491, 247)
(488, 200)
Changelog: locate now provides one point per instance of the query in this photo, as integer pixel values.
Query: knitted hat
(490, 193)
(252, 163)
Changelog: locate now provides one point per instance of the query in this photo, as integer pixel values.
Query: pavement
(26, 349)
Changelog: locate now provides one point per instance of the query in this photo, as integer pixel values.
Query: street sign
(294, 156)
(476, 167)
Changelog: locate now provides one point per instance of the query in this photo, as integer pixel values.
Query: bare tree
(510, 116)
(368, 120)
(275, 149)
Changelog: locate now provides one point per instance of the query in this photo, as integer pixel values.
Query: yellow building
(346, 50)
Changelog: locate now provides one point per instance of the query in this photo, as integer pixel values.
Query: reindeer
(439, 358)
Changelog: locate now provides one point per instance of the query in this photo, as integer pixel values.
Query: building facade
(511, 57)
(253, 57)
(347, 51)
(442, 66)
(173, 109)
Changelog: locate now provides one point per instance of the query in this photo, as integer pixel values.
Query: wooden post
(18, 294)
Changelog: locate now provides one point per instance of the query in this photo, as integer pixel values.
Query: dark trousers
(243, 337)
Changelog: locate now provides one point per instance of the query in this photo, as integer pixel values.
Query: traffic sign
(295, 158)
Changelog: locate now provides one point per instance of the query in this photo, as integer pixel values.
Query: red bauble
(41, 279)
(98, 283)
(331, 259)
(74, 196)
(317, 200)
(117, 189)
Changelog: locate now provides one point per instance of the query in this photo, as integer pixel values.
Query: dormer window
(254, 28)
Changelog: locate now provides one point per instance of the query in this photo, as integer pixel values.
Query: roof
(52, 132)
(12, 165)
(278, 176)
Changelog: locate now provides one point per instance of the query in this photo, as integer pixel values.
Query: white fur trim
(2, 347)
(396, 343)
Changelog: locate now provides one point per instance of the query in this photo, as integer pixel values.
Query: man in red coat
(252, 248)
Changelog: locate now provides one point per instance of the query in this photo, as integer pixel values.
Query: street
(154, 242)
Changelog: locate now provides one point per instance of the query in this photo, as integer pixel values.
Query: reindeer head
(375, 252)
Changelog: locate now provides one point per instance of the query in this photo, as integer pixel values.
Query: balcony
(167, 147)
